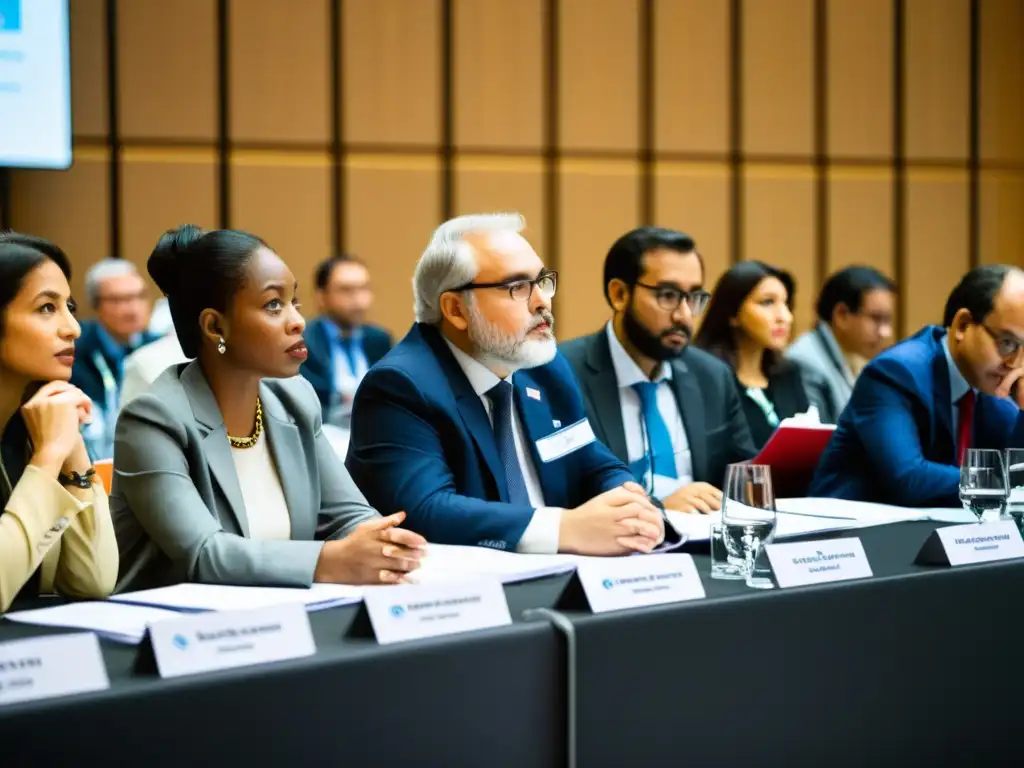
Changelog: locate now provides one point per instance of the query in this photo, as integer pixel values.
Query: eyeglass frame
(511, 284)
(1000, 337)
(683, 296)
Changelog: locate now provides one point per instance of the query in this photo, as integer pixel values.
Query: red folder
(793, 452)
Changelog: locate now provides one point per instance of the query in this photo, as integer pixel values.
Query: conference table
(917, 665)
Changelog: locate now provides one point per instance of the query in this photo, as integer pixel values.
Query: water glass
(983, 482)
(1015, 485)
(724, 565)
(748, 519)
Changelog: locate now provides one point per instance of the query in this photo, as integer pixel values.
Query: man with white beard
(474, 425)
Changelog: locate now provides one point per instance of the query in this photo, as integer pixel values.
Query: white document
(867, 512)
(216, 597)
(120, 622)
(698, 527)
(451, 564)
(414, 611)
(41, 667)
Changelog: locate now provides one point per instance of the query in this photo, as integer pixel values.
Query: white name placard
(209, 641)
(413, 611)
(614, 583)
(817, 562)
(60, 665)
(981, 542)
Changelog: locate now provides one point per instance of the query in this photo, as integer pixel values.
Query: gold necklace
(249, 442)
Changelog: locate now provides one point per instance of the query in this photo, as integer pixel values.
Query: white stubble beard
(511, 352)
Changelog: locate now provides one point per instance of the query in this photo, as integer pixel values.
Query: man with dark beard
(473, 424)
(669, 411)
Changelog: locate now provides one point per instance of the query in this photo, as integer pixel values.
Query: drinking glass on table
(748, 519)
(983, 482)
(1015, 485)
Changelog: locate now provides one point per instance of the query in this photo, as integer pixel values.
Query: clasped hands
(376, 552)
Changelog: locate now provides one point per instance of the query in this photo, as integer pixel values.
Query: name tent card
(60, 665)
(973, 543)
(414, 611)
(817, 562)
(614, 583)
(205, 642)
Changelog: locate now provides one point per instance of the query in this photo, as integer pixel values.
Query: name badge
(565, 441)
(60, 665)
(413, 611)
(209, 641)
(817, 562)
(614, 583)
(973, 543)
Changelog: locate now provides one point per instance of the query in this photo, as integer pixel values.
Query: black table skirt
(917, 666)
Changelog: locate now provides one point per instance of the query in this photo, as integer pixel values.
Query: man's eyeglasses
(1007, 346)
(879, 321)
(670, 298)
(521, 290)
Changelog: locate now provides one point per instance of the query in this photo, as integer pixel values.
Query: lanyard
(109, 383)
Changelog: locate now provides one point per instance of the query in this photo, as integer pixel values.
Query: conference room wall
(808, 133)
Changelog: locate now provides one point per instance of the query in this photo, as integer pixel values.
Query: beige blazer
(73, 540)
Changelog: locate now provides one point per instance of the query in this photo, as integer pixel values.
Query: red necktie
(963, 441)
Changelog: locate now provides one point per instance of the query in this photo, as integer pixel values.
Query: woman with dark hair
(748, 324)
(55, 528)
(222, 473)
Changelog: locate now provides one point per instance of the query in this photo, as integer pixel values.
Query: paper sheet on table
(216, 597)
(698, 527)
(447, 563)
(870, 513)
(120, 622)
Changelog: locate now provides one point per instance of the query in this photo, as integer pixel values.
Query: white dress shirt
(266, 510)
(628, 373)
(541, 535)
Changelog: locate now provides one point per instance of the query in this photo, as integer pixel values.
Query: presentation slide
(35, 84)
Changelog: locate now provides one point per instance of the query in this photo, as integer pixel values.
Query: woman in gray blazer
(222, 473)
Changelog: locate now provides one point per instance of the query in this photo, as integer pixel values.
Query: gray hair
(104, 270)
(448, 261)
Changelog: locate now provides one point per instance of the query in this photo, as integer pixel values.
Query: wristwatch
(76, 480)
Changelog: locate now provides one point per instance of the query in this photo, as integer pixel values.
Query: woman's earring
(221, 346)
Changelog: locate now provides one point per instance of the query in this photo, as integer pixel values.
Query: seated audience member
(855, 309)
(342, 346)
(222, 473)
(55, 528)
(117, 294)
(747, 325)
(474, 424)
(672, 413)
(918, 406)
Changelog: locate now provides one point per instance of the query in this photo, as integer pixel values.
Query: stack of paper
(445, 563)
(869, 513)
(216, 597)
(115, 621)
(787, 526)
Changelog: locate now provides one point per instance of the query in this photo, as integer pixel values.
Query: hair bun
(164, 264)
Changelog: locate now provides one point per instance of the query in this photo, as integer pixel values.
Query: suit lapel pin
(534, 393)
(556, 423)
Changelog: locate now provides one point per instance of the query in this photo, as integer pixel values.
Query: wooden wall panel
(393, 207)
(288, 205)
(279, 69)
(779, 229)
(1002, 222)
(599, 74)
(859, 88)
(937, 79)
(691, 76)
(599, 204)
(499, 73)
(167, 70)
(164, 190)
(88, 28)
(860, 222)
(695, 199)
(71, 208)
(392, 71)
(505, 184)
(936, 251)
(778, 77)
(1002, 80)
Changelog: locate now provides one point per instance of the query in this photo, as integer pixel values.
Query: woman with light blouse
(56, 533)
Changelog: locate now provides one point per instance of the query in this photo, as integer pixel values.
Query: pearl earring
(221, 346)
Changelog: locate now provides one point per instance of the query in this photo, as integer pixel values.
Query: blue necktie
(345, 342)
(659, 442)
(500, 396)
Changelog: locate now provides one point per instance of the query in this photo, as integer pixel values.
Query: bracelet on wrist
(75, 480)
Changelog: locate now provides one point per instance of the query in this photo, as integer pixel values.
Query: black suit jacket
(319, 366)
(705, 391)
(788, 392)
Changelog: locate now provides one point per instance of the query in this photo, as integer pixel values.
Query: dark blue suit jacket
(421, 442)
(85, 375)
(319, 366)
(895, 442)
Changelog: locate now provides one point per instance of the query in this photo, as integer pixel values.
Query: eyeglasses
(670, 298)
(880, 321)
(521, 290)
(1007, 346)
